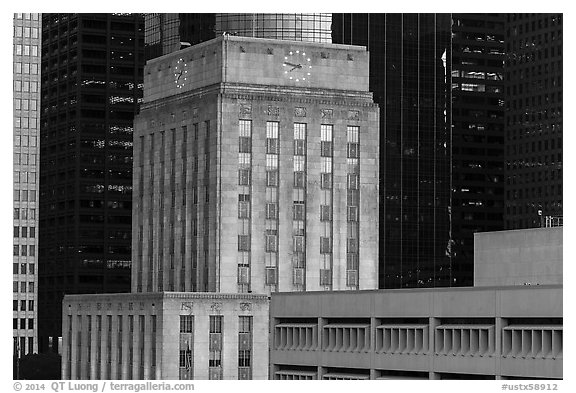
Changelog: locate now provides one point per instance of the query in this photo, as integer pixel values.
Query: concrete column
(114, 348)
(72, 373)
(501, 323)
(66, 338)
(125, 337)
(147, 348)
(92, 339)
(432, 323)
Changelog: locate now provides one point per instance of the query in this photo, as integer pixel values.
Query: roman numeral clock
(297, 66)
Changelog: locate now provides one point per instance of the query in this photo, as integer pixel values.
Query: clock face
(180, 73)
(297, 66)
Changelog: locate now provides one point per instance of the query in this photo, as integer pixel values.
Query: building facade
(91, 86)
(477, 135)
(165, 336)
(519, 257)
(533, 119)
(410, 71)
(256, 169)
(513, 332)
(26, 112)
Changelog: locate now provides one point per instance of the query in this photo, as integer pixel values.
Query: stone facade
(187, 227)
(141, 336)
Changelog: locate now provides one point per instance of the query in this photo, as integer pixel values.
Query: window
(243, 242)
(299, 179)
(299, 147)
(353, 150)
(24, 231)
(244, 177)
(272, 178)
(272, 146)
(325, 245)
(326, 180)
(299, 163)
(325, 213)
(245, 144)
(298, 244)
(186, 323)
(271, 211)
(243, 205)
(16, 231)
(326, 148)
(352, 181)
(271, 241)
(216, 323)
(352, 213)
(298, 211)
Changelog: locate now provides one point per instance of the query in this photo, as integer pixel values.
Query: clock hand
(296, 66)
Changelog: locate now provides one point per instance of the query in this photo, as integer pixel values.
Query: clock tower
(257, 162)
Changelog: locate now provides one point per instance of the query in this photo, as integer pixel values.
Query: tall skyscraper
(166, 33)
(92, 74)
(257, 190)
(477, 135)
(26, 109)
(533, 119)
(410, 71)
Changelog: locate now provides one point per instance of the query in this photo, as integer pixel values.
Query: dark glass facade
(477, 135)
(91, 86)
(533, 119)
(166, 33)
(410, 71)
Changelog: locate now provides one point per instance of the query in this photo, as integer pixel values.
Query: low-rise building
(168, 335)
(451, 333)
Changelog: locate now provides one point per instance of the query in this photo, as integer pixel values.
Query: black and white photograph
(286, 196)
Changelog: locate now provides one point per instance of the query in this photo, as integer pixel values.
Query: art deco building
(26, 109)
(92, 68)
(533, 120)
(477, 135)
(410, 73)
(255, 171)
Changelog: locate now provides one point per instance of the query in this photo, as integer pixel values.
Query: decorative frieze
(299, 111)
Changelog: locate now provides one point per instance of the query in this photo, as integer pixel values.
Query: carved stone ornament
(98, 306)
(326, 113)
(187, 307)
(245, 110)
(300, 112)
(246, 306)
(353, 115)
(273, 110)
(194, 113)
(216, 307)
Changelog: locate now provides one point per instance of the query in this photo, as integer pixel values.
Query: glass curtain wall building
(92, 75)
(166, 33)
(533, 120)
(477, 134)
(410, 72)
(26, 112)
